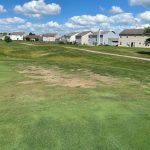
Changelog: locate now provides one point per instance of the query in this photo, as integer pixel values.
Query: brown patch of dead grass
(57, 77)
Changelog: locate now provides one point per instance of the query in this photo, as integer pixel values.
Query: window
(120, 36)
(120, 43)
(127, 36)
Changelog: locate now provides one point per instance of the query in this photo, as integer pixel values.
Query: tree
(147, 30)
(147, 42)
(7, 39)
(31, 33)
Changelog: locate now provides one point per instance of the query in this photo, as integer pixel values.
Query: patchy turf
(56, 98)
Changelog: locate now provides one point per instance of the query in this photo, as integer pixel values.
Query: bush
(147, 42)
(27, 39)
(61, 42)
(7, 39)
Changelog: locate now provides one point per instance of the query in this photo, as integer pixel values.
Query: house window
(101, 36)
(140, 43)
(120, 43)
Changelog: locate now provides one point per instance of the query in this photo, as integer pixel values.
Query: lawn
(54, 98)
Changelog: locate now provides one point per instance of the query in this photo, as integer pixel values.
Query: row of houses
(127, 38)
(93, 38)
(20, 36)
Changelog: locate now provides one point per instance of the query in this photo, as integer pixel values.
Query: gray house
(71, 37)
(104, 38)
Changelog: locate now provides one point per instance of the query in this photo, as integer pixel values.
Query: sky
(64, 16)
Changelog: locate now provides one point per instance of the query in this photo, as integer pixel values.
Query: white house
(83, 37)
(71, 37)
(15, 36)
(2, 37)
(50, 37)
(133, 38)
(104, 38)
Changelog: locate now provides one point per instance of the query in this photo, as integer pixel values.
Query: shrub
(147, 42)
(7, 39)
(61, 42)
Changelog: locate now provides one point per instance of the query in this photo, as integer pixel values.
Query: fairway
(58, 98)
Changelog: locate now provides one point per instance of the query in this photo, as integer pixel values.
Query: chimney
(98, 37)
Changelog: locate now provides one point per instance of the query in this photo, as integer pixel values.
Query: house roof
(18, 33)
(71, 34)
(132, 32)
(49, 35)
(83, 33)
(94, 34)
(32, 36)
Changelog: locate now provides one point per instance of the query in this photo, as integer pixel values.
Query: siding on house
(83, 38)
(2, 37)
(50, 37)
(17, 36)
(104, 38)
(71, 37)
(133, 38)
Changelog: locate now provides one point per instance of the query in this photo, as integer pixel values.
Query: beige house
(83, 37)
(50, 37)
(133, 38)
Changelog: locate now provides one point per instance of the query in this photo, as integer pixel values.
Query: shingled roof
(71, 34)
(50, 35)
(132, 32)
(83, 33)
(18, 33)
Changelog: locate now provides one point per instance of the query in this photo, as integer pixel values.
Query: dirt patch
(26, 82)
(55, 76)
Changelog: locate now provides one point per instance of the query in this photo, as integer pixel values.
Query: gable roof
(32, 36)
(18, 33)
(71, 34)
(50, 35)
(83, 33)
(93, 35)
(132, 32)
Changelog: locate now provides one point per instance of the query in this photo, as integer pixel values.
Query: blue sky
(73, 15)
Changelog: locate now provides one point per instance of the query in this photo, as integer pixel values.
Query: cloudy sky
(73, 15)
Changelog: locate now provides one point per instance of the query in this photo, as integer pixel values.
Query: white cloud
(88, 20)
(114, 22)
(2, 9)
(123, 19)
(14, 20)
(145, 3)
(28, 26)
(145, 16)
(116, 10)
(38, 8)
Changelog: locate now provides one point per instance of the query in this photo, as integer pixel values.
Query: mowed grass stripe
(110, 54)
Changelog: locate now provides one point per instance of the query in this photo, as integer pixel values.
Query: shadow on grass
(144, 52)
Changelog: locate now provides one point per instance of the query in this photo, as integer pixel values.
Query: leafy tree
(31, 33)
(147, 30)
(7, 39)
(147, 42)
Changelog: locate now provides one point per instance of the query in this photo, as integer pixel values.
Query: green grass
(108, 117)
